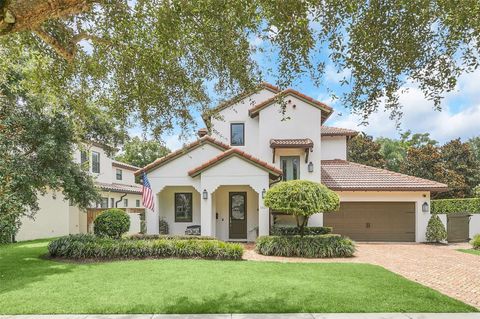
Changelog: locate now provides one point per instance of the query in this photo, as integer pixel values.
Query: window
(183, 207)
(119, 174)
(104, 202)
(237, 134)
(112, 202)
(125, 202)
(137, 203)
(95, 162)
(290, 167)
(83, 157)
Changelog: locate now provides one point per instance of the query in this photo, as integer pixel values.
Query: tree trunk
(21, 15)
(302, 226)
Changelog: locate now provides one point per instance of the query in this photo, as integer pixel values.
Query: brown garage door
(374, 221)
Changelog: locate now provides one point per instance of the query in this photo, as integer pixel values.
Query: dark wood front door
(238, 215)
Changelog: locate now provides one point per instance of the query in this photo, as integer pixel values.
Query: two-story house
(116, 182)
(259, 138)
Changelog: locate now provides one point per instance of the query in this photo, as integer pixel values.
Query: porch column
(151, 220)
(206, 215)
(263, 217)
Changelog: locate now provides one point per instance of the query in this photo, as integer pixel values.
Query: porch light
(205, 194)
(310, 167)
(425, 207)
(263, 193)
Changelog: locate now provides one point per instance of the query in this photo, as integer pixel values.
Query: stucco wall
(128, 177)
(474, 225)
(52, 220)
(105, 175)
(334, 147)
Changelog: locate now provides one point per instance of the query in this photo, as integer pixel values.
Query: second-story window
(83, 157)
(119, 174)
(95, 162)
(290, 167)
(237, 134)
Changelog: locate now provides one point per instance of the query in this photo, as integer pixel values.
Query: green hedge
(178, 237)
(458, 205)
(318, 246)
(86, 246)
(476, 242)
(291, 231)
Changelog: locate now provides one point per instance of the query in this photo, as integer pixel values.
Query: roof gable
(327, 110)
(235, 152)
(174, 155)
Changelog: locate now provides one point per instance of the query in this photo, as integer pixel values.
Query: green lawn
(29, 284)
(470, 251)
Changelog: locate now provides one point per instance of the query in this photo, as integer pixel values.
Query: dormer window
(95, 162)
(119, 174)
(237, 134)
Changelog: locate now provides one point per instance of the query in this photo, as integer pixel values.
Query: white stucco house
(116, 181)
(249, 143)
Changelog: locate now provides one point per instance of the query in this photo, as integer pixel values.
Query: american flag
(147, 195)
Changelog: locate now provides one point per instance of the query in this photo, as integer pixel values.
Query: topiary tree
(301, 198)
(111, 223)
(436, 230)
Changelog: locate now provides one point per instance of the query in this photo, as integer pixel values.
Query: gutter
(118, 201)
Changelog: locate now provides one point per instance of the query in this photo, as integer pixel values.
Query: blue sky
(459, 118)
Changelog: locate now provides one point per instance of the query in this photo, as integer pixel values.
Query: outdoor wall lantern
(205, 194)
(263, 193)
(425, 207)
(310, 167)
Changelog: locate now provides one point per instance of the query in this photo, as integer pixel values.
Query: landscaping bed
(312, 246)
(91, 247)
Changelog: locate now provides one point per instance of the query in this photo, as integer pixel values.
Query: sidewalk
(264, 316)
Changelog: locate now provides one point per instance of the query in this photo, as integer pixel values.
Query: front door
(238, 215)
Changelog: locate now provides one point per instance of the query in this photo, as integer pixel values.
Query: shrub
(163, 227)
(436, 230)
(476, 241)
(87, 246)
(186, 237)
(290, 231)
(318, 246)
(111, 223)
(301, 198)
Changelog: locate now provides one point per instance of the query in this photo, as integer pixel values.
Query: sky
(459, 116)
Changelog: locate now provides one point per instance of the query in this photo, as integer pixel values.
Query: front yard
(30, 284)
(470, 251)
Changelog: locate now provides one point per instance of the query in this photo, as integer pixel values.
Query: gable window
(137, 203)
(290, 167)
(119, 174)
(183, 207)
(95, 162)
(125, 202)
(237, 134)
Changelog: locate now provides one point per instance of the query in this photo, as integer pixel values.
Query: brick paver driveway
(442, 268)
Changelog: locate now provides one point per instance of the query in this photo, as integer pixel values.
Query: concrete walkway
(265, 316)
(443, 268)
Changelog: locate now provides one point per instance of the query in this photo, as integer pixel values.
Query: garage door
(374, 221)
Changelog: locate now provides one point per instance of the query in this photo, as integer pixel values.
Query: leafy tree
(474, 143)
(140, 152)
(416, 140)
(436, 230)
(363, 149)
(152, 58)
(393, 151)
(301, 198)
(476, 191)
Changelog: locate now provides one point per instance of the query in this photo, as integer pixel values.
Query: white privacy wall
(334, 147)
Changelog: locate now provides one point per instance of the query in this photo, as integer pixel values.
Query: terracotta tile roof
(235, 152)
(124, 165)
(171, 156)
(291, 143)
(337, 131)
(257, 108)
(120, 188)
(347, 176)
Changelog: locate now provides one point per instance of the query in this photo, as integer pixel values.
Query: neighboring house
(218, 182)
(116, 181)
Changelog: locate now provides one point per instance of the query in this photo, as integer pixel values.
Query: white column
(152, 218)
(206, 215)
(316, 220)
(263, 217)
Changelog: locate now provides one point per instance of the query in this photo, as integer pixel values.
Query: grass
(30, 284)
(470, 251)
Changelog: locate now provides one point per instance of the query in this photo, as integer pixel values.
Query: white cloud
(419, 115)
(333, 76)
(175, 141)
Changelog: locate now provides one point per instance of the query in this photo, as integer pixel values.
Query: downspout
(121, 198)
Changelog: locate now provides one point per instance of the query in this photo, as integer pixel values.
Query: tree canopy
(139, 152)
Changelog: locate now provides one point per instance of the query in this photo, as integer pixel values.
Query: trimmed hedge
(318, 246)
(178, 237)
(476, 242)
(111, 223)
(291, 231)
(458, 205)
(86, 246)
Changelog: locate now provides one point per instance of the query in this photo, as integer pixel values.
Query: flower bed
(86, 246)
(313, 246)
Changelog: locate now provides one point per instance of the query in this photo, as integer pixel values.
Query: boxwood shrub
(476, 241)
(112, 223)
(87, 246)
(311, 246)
(153, 236)
(291, 231)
